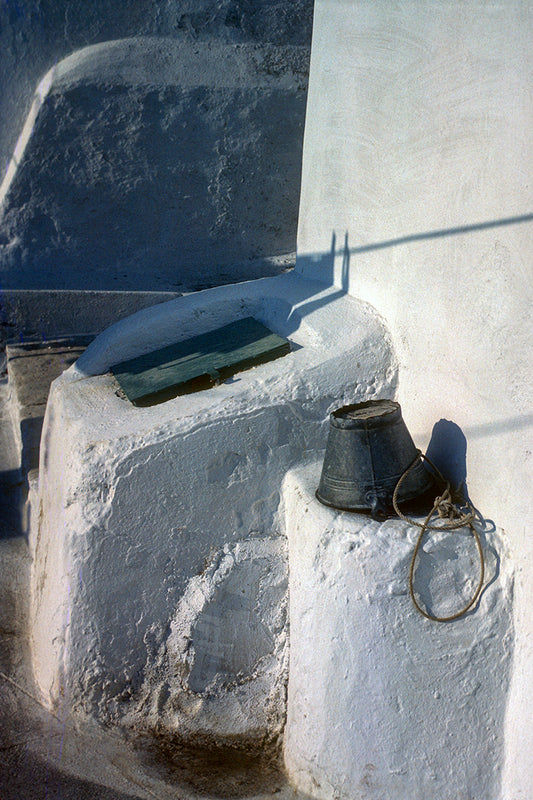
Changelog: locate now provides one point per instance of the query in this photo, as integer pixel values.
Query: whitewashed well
(160, 566)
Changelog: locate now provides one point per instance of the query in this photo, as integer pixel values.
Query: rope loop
(453, 518)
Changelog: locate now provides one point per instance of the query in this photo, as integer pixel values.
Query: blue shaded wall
(150, 182)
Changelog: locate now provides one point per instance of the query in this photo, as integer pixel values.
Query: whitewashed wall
(416, 197)
(38, 33)
(148, 163)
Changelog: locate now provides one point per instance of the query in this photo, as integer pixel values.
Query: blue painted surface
(199, 362)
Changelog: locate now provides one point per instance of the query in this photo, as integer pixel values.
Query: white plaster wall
(155, 164)
(417, 166)
(159, 583)
(39, 33)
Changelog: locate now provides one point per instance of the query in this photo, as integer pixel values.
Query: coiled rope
(450, 511)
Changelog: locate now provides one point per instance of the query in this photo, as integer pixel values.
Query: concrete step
(10, 473)
(31, 368)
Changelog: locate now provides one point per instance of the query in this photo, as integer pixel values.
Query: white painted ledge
(383, 703)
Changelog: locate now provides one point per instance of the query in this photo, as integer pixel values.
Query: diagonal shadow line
(499, 426)
(416, 237)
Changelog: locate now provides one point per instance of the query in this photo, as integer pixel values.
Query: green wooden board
(198, 363)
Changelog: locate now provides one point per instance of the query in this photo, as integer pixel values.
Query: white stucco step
(383, 702)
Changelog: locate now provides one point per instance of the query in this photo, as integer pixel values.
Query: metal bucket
(368, 450)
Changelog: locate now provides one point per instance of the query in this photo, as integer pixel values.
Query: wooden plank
(198, 363)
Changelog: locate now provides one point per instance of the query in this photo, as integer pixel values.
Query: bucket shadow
(447, 451)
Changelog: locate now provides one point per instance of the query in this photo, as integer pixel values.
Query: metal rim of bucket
(391, 412)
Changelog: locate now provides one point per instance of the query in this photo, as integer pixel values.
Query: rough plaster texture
(160, 569)
(383, 703)
(417, 165)
(154, 164)
(39, 33)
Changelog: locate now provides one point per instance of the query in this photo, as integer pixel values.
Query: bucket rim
(391, 412)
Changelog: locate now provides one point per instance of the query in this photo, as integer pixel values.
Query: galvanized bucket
(368, 450)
